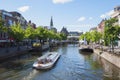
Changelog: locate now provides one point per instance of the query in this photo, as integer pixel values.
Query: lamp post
(101, 44)
(7, 39)
(7, 50)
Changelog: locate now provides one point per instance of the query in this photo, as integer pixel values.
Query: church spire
(51, 23)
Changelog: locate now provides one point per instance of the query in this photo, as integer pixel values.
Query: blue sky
(75, 15)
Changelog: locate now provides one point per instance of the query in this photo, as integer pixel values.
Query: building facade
(101, 26)
(19, 19)
(116, 14)
(64, 31)
(10, 18)
(93, 29)
(33, 25)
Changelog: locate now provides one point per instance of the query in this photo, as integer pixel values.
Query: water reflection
(111, 72)
(72, 65)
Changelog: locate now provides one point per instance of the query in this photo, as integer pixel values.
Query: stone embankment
(6, 53)
(111, 57)
(12, 51)
(105, 53)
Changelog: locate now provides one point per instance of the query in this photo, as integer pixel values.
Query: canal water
(72, 65)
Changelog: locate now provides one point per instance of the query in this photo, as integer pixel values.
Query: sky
(75, 15)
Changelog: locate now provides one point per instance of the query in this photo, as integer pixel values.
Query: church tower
(52, 26)
(51, 23)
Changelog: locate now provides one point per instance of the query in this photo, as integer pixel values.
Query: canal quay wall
(10, 52)
(42, 48)
(6, 53)
(110, 57)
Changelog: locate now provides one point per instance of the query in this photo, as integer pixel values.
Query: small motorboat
(87, 50)
(46, 61)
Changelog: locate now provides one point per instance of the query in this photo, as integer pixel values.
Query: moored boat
(86, 50)
(46, 61)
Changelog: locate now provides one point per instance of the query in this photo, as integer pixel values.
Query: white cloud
(81, 25)
(81, 19)
(61, 1)
(108, 14)
(23, 8)
(103, 16)
(90, 18)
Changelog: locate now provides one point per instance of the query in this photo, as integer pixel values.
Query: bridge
(73, 38)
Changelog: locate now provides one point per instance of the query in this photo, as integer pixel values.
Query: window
(3, 16)
(10, 22)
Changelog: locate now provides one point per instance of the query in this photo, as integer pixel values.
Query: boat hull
(86, 50)
(46, 66)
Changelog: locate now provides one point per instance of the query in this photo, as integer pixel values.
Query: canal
(72, 65)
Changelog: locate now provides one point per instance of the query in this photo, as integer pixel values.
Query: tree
(111, 32)
(40, 31)
(2, 27)
(88, 37)
(17, 33)
(82, 37)
(30, 33)
(1, 23)
(95, 36)
(51, 35)
(57, 36)
(63, 36)
(41, 34)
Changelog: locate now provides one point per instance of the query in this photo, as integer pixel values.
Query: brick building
(116, 14)
(9, 19)
(101, 26)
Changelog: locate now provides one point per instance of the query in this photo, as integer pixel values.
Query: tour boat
(46, 61)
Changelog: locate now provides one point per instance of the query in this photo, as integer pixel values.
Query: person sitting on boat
(49, 60)
(42, 61)
(45, 60)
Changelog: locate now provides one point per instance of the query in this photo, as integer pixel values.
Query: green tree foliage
(51, 34)
(63, 36)
(82, 37)
(45, 34)
(17, 32)
(1, 22)
(111, 31)
(92, 36)
(2, 27)
(30, 33)
(95, 36)
(40, 32)
(88, 37)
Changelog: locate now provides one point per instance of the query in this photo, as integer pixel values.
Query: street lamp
(7, 50)
(101, 44)
(7, 38)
